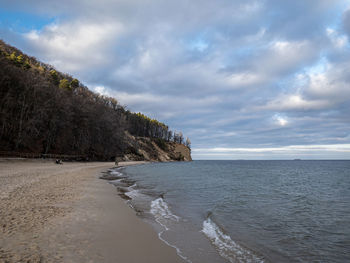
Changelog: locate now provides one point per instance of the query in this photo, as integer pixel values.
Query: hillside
(49, 113)
(143, 148)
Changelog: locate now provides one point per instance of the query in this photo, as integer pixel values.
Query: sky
(242, 79)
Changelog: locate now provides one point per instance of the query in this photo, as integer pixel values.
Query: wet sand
(64, 213)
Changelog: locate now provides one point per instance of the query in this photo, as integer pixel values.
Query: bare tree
(188, 143)
(181, 138)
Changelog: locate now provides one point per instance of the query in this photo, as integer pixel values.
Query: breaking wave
(161, 211)
(226, 247)
(163, 215)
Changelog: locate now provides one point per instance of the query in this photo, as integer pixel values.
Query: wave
(162, 215)
(161, 211)
(226, 247)
(116, 173)
(159, 208)
(133, 193)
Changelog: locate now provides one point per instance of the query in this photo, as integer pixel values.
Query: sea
(244, 211)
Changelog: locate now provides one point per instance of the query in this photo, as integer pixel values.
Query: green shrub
(64, 84)
(74, 83)
(54, 76)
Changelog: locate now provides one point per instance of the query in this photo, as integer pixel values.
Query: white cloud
(324, 147)
(332, 151)
(101, 90)
(295, 102)
(323, 85)
(339, 41)
(281, 121)
(320, 87)
(75, 45)
(276, 60)
(283, 56)
(140, 98)
(162, 106)
(332, 84)
(245, 79)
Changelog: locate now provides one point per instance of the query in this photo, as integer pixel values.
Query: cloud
(245, 79)
(280, 120)
(339, 41)
(163, 106)
(333, 84)
(332, 151)
(76, 45)
(328, 147)
(346, 22)
(284, 56)
(295, 102)
(229, 74)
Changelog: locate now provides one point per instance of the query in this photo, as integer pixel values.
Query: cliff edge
(153, 149)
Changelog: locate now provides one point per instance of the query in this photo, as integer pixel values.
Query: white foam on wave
(116, 173)
(116, 181)
(162, 214)
(133, 193)
(228, 248)
(161, 210)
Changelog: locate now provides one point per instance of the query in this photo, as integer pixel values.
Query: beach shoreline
(65, 213)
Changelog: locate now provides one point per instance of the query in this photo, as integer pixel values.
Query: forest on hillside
(45, 111)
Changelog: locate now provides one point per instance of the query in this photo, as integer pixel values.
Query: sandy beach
(65, 213)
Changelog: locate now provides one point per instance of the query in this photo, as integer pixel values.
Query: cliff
(158, 150)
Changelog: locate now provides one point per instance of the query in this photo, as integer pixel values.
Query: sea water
(246, 211)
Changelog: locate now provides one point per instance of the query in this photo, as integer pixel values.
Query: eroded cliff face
(148, 149)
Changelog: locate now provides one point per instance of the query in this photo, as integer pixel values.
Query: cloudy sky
(264, 79)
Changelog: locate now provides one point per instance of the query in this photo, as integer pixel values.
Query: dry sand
(64, 213)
